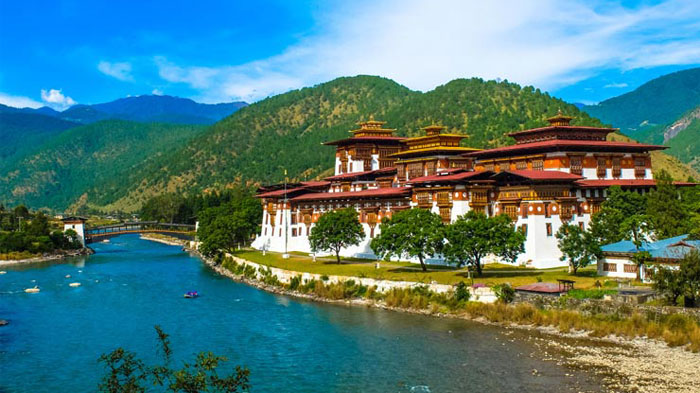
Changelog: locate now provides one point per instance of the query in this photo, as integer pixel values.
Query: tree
(690, 276)
(665, 208)
(618, 206)
(413, 233)
(683, 281)
(224, 227)
(578, 246)
(336, 230)
(474, 235)
(126, 373)
(637, 228)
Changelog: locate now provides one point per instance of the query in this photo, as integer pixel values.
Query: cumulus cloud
(19, 101)
(55, 99)
(546, 43)
(121, 71)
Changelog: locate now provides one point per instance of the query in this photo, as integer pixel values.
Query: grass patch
(17, 255)
(494, 274)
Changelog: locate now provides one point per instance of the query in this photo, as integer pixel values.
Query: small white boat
(74, 284)
(32, 290)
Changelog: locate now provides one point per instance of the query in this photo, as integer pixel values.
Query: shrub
(294, 282)
(249, 271)
(324, 278)
(462, 293)
(504, 292)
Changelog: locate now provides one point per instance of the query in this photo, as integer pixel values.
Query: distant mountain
(22, 132)
(663, 110)
(646, 111)
(70, 165)
(146, 108)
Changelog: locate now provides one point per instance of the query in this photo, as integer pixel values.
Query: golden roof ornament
(559, 120)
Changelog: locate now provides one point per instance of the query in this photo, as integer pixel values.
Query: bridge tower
(78, 225)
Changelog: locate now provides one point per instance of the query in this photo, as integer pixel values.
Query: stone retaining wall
(483, 295)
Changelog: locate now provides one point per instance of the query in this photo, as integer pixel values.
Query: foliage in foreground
(578, 246)
(126, 373)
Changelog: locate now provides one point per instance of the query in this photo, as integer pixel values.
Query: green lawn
(405, 271)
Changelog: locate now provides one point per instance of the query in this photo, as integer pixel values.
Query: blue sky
(59, 53)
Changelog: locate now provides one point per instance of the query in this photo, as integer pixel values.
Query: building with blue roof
(619, 262)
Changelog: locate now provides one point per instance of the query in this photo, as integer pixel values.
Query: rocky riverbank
(637, 365)
(61, 254)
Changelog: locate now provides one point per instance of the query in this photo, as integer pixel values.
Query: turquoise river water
(55, 336)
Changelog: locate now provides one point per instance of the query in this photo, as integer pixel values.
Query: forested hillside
(21, 133)
(69, 166)
(257, 143)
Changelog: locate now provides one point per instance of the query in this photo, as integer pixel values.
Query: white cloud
(55, 99)
(121, 71)
(546, 43)
(157, 92)
(615, 85)
(19, 101)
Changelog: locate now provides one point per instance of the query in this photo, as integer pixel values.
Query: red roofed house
(550, 176)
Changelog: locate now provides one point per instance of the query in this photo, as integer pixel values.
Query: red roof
(616, 182)
(277, 193)
(581, 145)
(541, 175)
(541, 287)
(563, 128)
(377, 192)
(448, 177)
(353, 175)
(318, 183)
(626, 183)
(392, 139)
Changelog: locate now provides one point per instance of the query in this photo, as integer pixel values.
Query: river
(55, 336)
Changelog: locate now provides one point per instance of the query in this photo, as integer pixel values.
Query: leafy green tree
(668, 283)
(474, 235)
(619, 206)
(127, 374)
(412, 233)
(665, 208)
(578, 247)
(336, 230)
(690, 276)
(684, 281)
(223, 228)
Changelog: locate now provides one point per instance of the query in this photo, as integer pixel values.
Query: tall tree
(410, 233)
(474, 235)
(665, 208)
(619, 206)
(579, 247)
(335, 230)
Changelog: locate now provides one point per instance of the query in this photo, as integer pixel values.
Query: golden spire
(559, 120)
(433, 129)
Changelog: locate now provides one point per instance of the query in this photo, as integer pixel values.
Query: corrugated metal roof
(671, 248)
